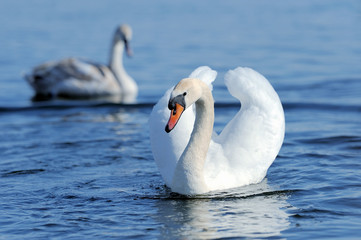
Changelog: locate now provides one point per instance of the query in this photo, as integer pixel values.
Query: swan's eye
(185, 93)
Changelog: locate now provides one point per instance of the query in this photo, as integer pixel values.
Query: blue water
(84, 169)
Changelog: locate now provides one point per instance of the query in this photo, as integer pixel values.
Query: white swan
(75, 78)
(193, 159)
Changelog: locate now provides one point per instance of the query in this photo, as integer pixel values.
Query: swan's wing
(67, 69)
(206, 74)
(168, 147)
(80, 69)
(252, 139)
(71, 76)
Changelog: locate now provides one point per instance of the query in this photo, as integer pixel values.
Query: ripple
(332, 140)
(74, 104)
(321, 106)
(316, 212)
(23, 172)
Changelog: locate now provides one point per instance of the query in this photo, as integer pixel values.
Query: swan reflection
(251, 211)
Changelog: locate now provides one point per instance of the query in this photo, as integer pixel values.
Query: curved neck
(126, 83)
(188, 176)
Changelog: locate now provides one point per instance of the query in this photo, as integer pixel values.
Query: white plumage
(241, 154)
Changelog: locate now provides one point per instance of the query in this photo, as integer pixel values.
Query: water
(75, 169)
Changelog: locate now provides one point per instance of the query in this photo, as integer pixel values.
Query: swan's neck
(189, 175)
(126, 83)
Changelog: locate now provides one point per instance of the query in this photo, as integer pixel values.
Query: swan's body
(193, 159)
(76, 78)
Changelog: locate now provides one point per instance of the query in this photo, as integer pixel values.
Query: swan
(191, 157)
(77, 78)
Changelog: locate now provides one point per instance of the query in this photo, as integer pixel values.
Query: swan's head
(184, 94)
(124, 33)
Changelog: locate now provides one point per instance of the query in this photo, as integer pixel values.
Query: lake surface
(84, 169)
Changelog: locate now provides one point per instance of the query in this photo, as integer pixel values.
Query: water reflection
(252, 211)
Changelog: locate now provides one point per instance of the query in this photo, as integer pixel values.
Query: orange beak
(174, 117)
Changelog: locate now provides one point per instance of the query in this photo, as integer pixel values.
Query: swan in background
(75, 78)
(191, 157)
